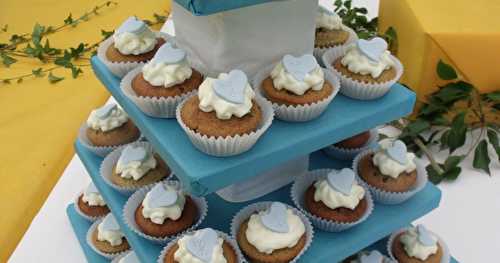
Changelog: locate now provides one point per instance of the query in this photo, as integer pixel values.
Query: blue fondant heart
(105, 111)
(372, 48)
(397, 152)
(301, 66)
(425, 237)
(133, 154)
(109, 223)
(232, 88)
(169, 55)
(132, 25)
(161, 197)
(202, 243)
(275, 218)
(131, 257)
(91, 189)
(342, 180)
(372, 257)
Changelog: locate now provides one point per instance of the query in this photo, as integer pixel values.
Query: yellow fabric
(39, 121)
(461, 32)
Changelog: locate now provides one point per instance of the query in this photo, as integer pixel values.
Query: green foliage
(481, 157)
(53, 78)
(445, 71)
(7, 60)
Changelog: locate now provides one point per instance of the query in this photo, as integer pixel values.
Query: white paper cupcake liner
(347, 154)
(98, 150)
(81, 213)
(158, 107)
(318, 52)
(356, 89)
(226, 237)
(298, 190)
(108, 164)
(109, 256)
(247, 211)
(119, 257)
(297, 113)
(119, 69)
(446, 258)
(135, 200)
(392, 198)
(231, 145)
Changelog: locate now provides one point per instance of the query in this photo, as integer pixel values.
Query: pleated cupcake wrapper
(109, 256)
(81, 213)
(297, 113)
(230, 145)
(347, 154)
(135, 200)
(109, 163)
(119, 257)
(158, 107)
(446, 258)
(356, 89)
(251, 209)
(318, 52)
(299, 189)
(391, 198)
(226, 237)
(98, 150)
(119, 69)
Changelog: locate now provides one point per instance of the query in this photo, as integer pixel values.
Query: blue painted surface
(284, 141)
(326, 247)
(80, 227)
(207, 7)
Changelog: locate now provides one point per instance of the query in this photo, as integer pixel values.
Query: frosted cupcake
(130, 257)
(330, 31)
(106, 237)
(368, 257)
(417, 245)
(90, 203)
(348, 148)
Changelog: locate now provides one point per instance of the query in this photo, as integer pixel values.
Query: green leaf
(481, 158)
(75, 71)
(492, 96)
(7, 60)
(68, 20)
(37, 72)
(36, 35)
(493, 139)
(452, 162)
(445, 71)
(444, 140)
(452, 174)
(106, 34)
(453, 92)
(433, 175)
(416, 127)
(457, 135)
(53, 78)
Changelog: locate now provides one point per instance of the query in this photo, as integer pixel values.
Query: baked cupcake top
(164, 200)
(109, 230)
(339, 189)
(131, 257)
(419, 243)
(370, 257)
(134, 37)
(106, 118)
(92, 197)
(298, 74)
(275, 228)
(368, 57)
(168, 67)
(393, 158)
(134, 162)
(203, 246)
(229, 94)
(328, 19)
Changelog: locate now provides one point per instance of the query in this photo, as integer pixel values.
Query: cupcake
(106, 237)
(224, 118)
(90, 203)
(132, 44)
(204, 245)
(107, 128)
(330, 31)
(366, 68)
(133, 166)
(130, 257)
(298, 88)
(160, 85)
(356, 141)
(368, 257)
(274, 234)
(348, 148)
(417, 245)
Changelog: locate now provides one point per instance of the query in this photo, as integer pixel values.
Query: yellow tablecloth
(463, 33)
(39, 121)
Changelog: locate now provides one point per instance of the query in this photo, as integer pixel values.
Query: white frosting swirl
(335, 199)
(224, 110)
(328, 20)
(358, 63)
(114, 237)
(283, 80)
(115, 119)
(166, 75)
(137, 169)
(182, 255)
(390, 167)
(93, 198)
(266, 240)
(135, 44)
(414, 248)
(159, 214)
